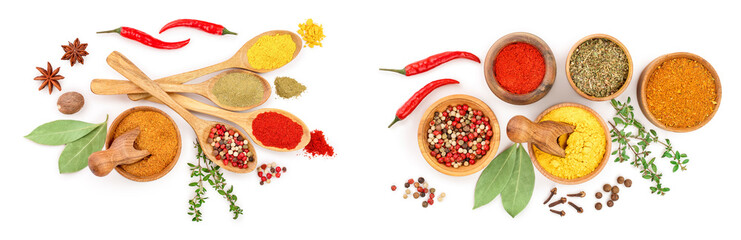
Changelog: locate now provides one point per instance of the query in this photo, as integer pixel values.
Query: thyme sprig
(212, 174)
(622, 127)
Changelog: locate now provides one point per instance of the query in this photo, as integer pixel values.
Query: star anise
(49, 77)
(74, 52)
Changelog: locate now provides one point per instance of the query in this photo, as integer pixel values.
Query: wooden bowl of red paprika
(440, 106)
(652, 67)
(571, 78)
(520, 68)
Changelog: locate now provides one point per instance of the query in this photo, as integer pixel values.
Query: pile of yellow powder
(311, 33)
(271, 52)
(585, 147)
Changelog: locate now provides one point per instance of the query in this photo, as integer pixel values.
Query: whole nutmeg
(70, 102)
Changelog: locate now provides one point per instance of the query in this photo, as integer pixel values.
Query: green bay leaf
(60, 132)
(75, 155)
(516, 195)
(494, 177)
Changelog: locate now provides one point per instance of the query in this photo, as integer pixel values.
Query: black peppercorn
(421, 180)
(406, 185)
(424, 204)
(422, 194)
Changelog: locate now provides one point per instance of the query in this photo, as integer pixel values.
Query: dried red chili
(146, 39)
(519, 68)
(412, 103)
(433, 61)
(318, 145)
(276, 130)
(208, 27)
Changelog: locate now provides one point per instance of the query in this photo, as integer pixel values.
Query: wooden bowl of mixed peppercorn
(599, 67)
(520, 68)
(679, 92)
(458, 135)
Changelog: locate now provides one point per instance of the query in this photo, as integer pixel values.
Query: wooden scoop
(543, 134)
(205, 89)
(238, 60)
(202, 128)
(243, 120)
(122, 151)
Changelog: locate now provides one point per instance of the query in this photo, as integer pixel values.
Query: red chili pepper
(146, 39)
(208, 27)
(433, 61)
(412, 103)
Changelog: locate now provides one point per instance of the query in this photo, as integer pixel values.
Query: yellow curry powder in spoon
(271, 52)
(585, 147)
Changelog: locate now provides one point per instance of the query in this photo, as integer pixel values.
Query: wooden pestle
(543, 134)
(122, 151)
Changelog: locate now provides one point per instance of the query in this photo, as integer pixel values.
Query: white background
(348, 196)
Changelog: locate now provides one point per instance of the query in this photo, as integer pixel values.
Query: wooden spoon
(202, 127)
(238, 60)
(543, 134)
(122, 151)
(205, 89)
(243, 120)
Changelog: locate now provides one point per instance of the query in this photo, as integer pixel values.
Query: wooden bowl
(548, 78)
(627, 79)
(643, 82)
(605, 158)
(109, 141)
(441, 105)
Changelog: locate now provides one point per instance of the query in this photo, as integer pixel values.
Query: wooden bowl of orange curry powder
(158, 134)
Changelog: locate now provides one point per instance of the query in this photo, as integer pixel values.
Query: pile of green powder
(239, 89)
(288, 87)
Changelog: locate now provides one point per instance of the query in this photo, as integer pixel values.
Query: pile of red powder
(318, 146)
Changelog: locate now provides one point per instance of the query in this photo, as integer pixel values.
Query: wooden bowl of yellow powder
(587, 148)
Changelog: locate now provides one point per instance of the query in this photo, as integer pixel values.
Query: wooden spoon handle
(116, 87)
(122, 151)
(126, 68)
(195, 105)
(520, 129)
(187, 76)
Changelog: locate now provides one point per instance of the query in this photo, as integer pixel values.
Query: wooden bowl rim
(643, 82)
(168, 168)
(627, 79)
(548, 78)
(493, 143)
(596, 171)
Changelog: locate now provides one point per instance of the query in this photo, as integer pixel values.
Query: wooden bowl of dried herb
(159, 135)
(679, 92)
(599, 67)
(589, 123)
(436, 110)
(520, 68)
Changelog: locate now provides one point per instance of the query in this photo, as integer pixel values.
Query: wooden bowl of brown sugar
(440, 106)
(159, 135)
(687, 97)
(578, 87)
